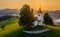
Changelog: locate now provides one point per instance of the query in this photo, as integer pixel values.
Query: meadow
(13, 29)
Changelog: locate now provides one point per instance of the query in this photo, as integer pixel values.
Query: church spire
(40, 11)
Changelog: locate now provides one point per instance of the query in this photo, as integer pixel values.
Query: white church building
(38, 18)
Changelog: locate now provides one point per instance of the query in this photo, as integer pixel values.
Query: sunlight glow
(17, 4)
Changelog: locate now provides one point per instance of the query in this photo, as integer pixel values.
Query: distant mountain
(54, 14)
(9, 11)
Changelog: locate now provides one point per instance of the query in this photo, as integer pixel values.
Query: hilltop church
(38, 18)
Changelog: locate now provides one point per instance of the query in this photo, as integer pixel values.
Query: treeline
(6, 17)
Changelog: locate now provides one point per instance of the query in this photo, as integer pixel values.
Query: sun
(38, 7)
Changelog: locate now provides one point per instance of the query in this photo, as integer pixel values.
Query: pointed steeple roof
(40, 11)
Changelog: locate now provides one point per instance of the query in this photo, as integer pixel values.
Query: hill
(8, 12)
(55, 14)
(14, 30)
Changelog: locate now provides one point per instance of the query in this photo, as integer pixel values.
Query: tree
(26, 18)
(32, 16)
(47, 19)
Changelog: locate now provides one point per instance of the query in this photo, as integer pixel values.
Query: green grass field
(12, 29)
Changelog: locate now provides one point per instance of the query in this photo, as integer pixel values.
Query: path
(36, 32)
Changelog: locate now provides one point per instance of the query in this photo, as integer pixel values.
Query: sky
(35, 4)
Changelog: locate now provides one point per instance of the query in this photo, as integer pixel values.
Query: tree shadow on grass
(20, 33)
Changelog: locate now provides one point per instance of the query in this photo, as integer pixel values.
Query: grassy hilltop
(12, 29)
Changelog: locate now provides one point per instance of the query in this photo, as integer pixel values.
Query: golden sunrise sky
(17, 4)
